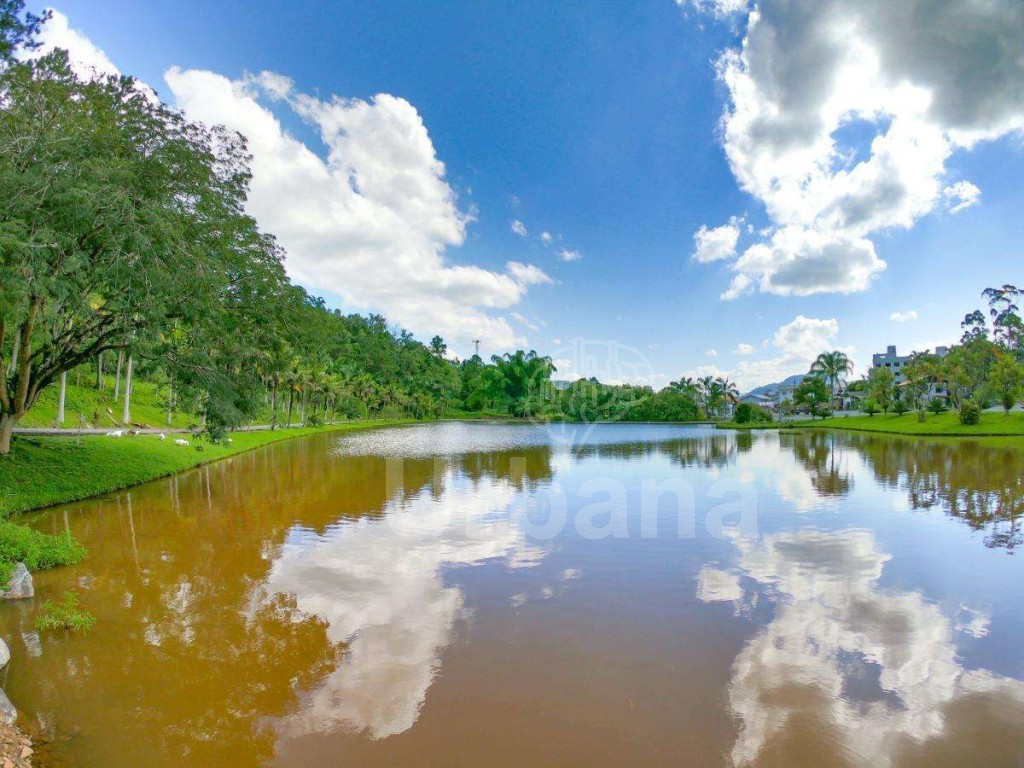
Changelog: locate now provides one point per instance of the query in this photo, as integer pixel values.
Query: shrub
(900, 406)
(746, 413)
(314, 420)
(970, 413)
(871, 407)
(936, 405)
(67, 614)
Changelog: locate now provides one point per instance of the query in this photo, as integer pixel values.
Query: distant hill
(790, 381)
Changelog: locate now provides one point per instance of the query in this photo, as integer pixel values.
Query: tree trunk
(7, 422)
(117, 376)
(99, 372)
(126, 413)
(170, 401)
(14, 355)
(291, 397)
(273, 405)
(61, 394)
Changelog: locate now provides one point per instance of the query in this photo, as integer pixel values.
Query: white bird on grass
(115, 433)
(163, 436)
(179, 441)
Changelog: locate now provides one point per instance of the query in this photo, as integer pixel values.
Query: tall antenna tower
(476, 346)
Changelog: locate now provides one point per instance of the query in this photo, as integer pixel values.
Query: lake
(512, 595)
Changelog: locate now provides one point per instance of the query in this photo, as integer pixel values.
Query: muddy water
(472, 594)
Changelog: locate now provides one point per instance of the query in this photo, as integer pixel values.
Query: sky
(642, 191)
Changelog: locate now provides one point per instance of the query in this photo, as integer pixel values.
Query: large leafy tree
(121, 218)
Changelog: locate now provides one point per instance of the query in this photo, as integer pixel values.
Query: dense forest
(126, 250)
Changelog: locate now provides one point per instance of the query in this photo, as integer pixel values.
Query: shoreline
(47, 470)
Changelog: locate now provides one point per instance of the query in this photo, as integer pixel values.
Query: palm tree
(832, 367)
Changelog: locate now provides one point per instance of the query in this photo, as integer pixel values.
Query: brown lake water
(472, 594)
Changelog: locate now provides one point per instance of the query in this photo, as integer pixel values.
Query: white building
(896, 363)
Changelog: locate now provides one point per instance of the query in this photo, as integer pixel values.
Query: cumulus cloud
(961, 196)
(796, 344)
(712, 353)
(87, 60)
(835, 628)
(518, 228)
(842, 117)
(744, 349)
(715, 244)
(371, 220)
(903, 317)
(567, 255)
(546, 238)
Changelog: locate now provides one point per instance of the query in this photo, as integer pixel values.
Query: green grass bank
(942, 425)
(42, 471)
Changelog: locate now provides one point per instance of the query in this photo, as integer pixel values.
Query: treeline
(124, 244)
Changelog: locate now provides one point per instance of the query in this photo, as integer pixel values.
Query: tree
(813, 392)
(1006, 379)
(121, 217)
(882, 387)
(833, 367)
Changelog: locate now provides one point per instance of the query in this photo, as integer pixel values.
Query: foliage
(969, 413)
(871, 407)
(882, 387)
(946, 423)
(900, 406)
(67, 614)
(813, 392)
(747, 413)
(1006, 379)
(936, 405)
(37, 550)
(833, 367)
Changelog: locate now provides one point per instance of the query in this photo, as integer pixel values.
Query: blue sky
(602, 126)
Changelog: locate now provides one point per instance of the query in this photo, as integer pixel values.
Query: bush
(970, 413)
(871, 407)
(67, 614)
(936, 405)
(746, 413)
(900, 406)
(314, 420)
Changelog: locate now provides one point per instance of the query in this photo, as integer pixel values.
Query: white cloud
(715, 244)
(527, 274)
(712, 353)
(903, 317)
(796, 345)
(718, 8)
(744, 349)
(833, 625)
(842, 117)
(519, 228)
(372, 222)
(546, 238)
(961, 196)
(567, 255)
(87, 60)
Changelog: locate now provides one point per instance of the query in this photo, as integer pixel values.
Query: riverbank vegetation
(49, 470)
(946, 423)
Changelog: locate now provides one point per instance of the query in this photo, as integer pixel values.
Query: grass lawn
(992, 423)
(148, 406)
(41, 471)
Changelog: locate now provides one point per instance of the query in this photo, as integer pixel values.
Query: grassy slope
(41, 471)
(148, 406)
(944, 424)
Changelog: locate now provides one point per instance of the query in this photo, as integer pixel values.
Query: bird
(163, 436)
(179, 441)
(115, 433)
